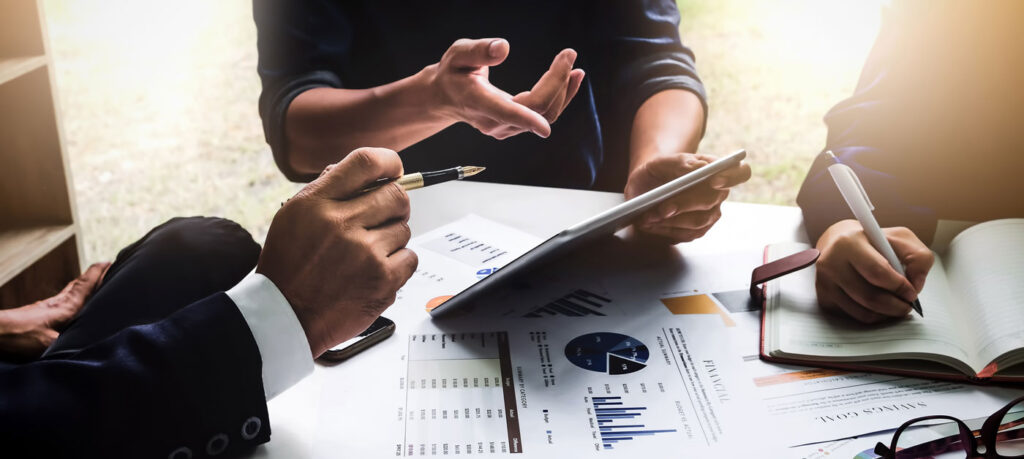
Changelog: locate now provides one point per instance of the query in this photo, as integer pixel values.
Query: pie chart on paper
(609, 353)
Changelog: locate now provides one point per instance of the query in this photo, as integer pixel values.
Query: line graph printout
(533, 388)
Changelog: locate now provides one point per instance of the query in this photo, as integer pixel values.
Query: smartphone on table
(378, 331)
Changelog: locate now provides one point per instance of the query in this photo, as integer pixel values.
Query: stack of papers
(608, 354)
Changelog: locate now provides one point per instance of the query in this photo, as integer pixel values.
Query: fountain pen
(422, 179)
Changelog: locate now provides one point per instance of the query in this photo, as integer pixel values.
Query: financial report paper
(664, 340)
(587, 386)
(590, 387)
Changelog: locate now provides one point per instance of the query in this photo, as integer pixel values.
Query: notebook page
(803, 328)
(986, 268)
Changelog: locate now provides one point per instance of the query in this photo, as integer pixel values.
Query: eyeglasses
(1000, 437)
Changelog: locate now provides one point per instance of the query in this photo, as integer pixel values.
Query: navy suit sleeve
(870, 133)
(191, 381)
(298, 42)
(637, 52)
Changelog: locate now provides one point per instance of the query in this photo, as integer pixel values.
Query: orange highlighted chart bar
(802, 375)
(697, 304)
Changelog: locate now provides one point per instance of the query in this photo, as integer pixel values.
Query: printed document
(658, 344)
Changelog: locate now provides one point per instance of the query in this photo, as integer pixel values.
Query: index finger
(385, 204)
(731, 177)
(875, 269)
(359, 170)
(554, 82)
(669, 167)
(917, 258)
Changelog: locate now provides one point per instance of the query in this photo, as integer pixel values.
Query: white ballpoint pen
(855, 196)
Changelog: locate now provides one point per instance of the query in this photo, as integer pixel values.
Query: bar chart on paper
(619, 422)
(459, 396)
(576, 303)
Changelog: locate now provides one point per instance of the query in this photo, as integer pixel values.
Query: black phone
(378, 331)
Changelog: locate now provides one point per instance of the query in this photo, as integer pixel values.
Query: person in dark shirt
(339, 75)
(934, 132)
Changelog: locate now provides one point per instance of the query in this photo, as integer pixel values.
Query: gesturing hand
(466, 94)
(337, 255)
(27, 331)
(854, 278)
(690, 214)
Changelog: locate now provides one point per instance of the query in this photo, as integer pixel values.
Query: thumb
(477, 53)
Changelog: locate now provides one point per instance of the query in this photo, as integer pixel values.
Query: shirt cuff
(278, 334)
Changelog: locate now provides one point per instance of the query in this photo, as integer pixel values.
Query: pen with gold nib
(422, 179)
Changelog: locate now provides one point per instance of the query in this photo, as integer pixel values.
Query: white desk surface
(542, 212)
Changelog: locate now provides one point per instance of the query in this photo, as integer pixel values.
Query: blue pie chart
(609, 353)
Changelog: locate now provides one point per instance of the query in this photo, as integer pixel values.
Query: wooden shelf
(21, 247)
(14, 67)
(39, 246)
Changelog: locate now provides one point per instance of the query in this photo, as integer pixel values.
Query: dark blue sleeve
(191, 381)
(866, 132)
(637, 52)
(297, 40)
(823, 205)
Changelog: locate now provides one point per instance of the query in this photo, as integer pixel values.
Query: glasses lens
(1010, 439)
(925, 440)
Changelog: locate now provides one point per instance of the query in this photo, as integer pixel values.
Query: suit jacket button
(251, 427)
(217, 444)
(180, 453)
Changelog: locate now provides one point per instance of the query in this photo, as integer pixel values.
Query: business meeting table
(542, 212)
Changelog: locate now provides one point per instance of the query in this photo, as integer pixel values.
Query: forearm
(667, 122)
(24, 333)
(324, 124)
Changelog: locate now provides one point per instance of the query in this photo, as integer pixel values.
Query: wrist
(639, 156)
(668, 122)
(313, 337)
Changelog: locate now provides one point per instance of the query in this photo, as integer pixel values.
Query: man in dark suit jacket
(176, 353)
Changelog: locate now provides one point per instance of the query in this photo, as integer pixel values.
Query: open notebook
(972, 329)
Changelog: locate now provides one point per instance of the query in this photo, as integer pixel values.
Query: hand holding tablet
(689, 215)
(605, 223)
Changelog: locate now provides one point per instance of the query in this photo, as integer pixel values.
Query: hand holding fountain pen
(855, 197)
(422, 179)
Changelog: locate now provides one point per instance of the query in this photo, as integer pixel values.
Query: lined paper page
(985, 265)
(803, 328)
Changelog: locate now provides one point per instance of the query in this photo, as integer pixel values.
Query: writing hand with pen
(854, 279)
(336, 252)
(865, 271)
